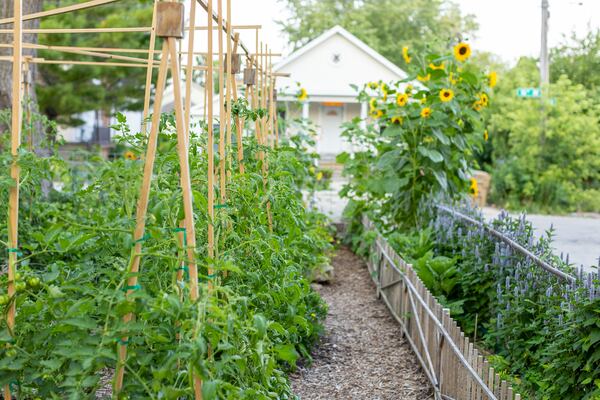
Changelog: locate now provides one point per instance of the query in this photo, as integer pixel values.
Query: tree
(385, 25)
(558, 170)
(7, 11)
(65, 91)
(580, 61)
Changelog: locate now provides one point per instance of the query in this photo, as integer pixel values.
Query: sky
(508, 28)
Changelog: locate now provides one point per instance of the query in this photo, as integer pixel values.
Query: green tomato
(11, 353)
(20, 286)
(33, 282)
(18, 276)
(4, 300)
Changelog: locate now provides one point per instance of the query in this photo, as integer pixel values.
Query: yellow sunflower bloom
(423, 100)
(486, 135)
(396, 120)
(436, 67)
(376, 113)
(492, 79)
(373, 103)
(373, 85)
(130, 155)
(302, 95)
(408, 90)
(446, 95)
(462, 51)
(405, 55)
(424, 78)
(319, 175)
(474, 188)
(402, 99)
(425, 112)
(484, 99)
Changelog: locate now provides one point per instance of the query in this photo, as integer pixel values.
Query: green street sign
(529, 92)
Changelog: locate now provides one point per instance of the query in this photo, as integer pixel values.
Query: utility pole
(544, 62)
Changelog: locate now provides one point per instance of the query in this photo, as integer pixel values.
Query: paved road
(577, 236)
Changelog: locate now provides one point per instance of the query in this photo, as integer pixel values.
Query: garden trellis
(168, 26)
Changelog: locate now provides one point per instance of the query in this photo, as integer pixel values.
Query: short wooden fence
(456, 369)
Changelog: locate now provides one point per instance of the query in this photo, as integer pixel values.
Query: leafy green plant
(242, 336)
(421, 138)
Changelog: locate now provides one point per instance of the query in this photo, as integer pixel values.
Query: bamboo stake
(27, 99)
(271, 97)
(13, 193)
(46, 31)
(74, 50)
(149, 69)
(222, 176)
(142, 207)
(210, 145)
(238, 120)
(228, 80)
(57, 11)
(189, 70)
(186, 185)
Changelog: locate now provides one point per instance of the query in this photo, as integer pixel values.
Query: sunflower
(425, 112)
(402, 99)
(424, 78)
(492, 79)
(462, 51)
(484, 99)
(130, 155)
(319, 175)
(373, 103)
(408, 90)
(405, 55)
(436, 67)
(446, 95)
(373, 85)
(473, 188)
(302, 94)
(376, 113)
(486, 135)
(477, 106)
(423, 100)
(384, 87)
(396, 120)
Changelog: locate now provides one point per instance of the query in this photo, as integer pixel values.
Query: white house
(326, 67)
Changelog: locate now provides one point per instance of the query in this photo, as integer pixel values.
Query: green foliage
(241, 337)
(420, 143)
(379, 23)
(65, 91)
(545, 151)
(579, 60)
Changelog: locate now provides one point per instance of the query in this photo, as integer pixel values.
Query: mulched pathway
(362, 354)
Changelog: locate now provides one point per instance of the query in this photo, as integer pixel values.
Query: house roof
(338, 30)
(331, 66)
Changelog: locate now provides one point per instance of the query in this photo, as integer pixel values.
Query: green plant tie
(224, 205)
(122, 342)
(132, 287)
(143, 238)
(184, 234)
(17, 251)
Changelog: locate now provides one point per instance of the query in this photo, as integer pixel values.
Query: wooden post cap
(169, 19)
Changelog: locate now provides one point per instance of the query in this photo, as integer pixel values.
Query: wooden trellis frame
(170, 32)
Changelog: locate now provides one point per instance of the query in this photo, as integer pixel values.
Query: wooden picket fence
(456, 369)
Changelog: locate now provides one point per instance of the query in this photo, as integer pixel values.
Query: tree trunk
(6, 11)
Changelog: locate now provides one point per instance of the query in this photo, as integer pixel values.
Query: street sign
(529, 92)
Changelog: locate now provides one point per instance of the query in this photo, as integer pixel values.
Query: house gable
(327, 66)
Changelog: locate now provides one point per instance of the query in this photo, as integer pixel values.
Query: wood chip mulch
(362, 354)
